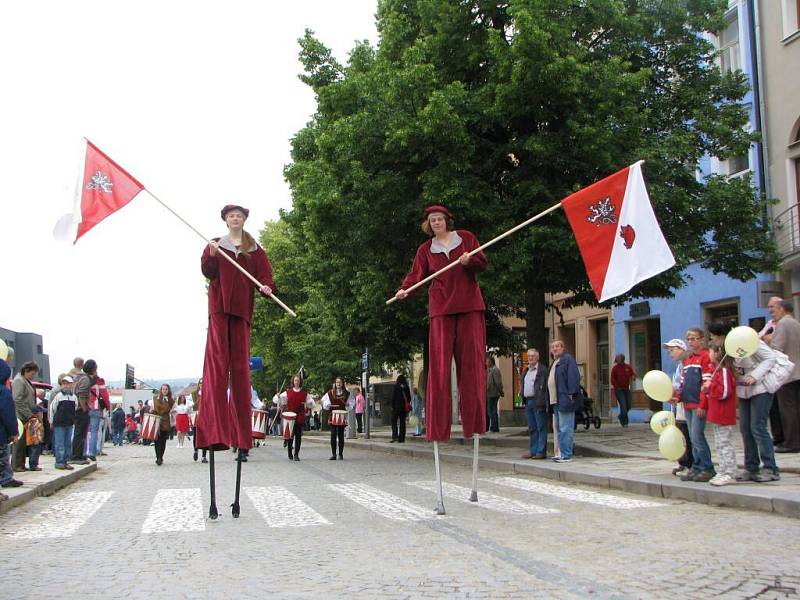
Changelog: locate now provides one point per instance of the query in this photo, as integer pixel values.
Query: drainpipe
(758, 100)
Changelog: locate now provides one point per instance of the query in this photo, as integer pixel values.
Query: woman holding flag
(457, 328)
(225, 420)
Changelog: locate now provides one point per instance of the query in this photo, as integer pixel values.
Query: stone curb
(785, 504)
(20, 496)
(581, 448)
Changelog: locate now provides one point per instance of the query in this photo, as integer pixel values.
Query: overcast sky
(198, 101)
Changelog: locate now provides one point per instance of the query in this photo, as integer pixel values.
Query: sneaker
(92, 458)
(37, 468)
(61, 467)
(539, 457)
(721, 479)
(689, 476)
(527, 455)
(679, 471)
(563, 460)
(704, 476)
(297, 458)
(102, 454)
(785, 450)
(341, 457)
(767, 475)
(13, 483)
(205, 460)
(81, 461)
(746, 476)
(69, 467)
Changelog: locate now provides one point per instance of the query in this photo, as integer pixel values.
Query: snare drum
(287, 425)
(259, 428)
(151, 425)
(338, 418)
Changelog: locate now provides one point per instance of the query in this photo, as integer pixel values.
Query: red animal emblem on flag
(602, 212)
(628, 235)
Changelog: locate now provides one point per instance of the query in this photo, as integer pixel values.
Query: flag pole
(480, 248)
(230, 260)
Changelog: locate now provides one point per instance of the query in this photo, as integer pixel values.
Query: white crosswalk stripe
(281, 508)
(485, 500)
(65, 517)
(382, 503)
(175, 510)
(573, 494)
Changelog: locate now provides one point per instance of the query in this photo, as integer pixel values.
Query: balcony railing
(786, 228)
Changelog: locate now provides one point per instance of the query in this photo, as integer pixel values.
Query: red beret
(437, 208)
(229, 207)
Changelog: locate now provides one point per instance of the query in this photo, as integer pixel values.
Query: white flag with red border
(104, 188)
(617, 233)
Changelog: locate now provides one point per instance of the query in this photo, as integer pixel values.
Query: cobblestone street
(364, 527)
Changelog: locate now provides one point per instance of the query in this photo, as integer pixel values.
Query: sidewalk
(42, 483)
(610, 457)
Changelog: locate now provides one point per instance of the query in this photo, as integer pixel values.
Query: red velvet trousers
(225, 420)
(463, 337)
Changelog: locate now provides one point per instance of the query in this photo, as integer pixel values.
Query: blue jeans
(62, 442)
(624, 403)
(116, 437)
(34, 452)
(537, 425)
(94, 431)
(6, 472)
(701, 453)
(753, 417)
(566, 426)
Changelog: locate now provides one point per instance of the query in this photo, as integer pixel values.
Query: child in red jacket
(718, 405)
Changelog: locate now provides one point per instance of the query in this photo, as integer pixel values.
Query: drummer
(338, 396)
(296, 398)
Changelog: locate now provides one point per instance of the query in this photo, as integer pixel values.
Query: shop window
(726, 312)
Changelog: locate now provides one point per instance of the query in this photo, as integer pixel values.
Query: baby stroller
(585, 414)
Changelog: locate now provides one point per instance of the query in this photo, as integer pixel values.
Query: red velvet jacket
(455, 291)
(230, 291)
(296, 403)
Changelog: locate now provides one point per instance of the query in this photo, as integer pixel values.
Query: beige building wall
(779, 52)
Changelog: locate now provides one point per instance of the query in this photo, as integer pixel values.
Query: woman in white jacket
(754, 404)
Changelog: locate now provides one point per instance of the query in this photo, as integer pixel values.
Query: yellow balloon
(413, 420)
(660, 420)
(657, 385)
(20, 428)
(671, 443)
(3, 350)
(741, 342)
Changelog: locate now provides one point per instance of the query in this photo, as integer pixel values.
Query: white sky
(198, 101)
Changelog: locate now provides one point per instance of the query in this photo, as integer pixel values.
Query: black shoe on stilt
(332, 457)
(213, 513)
(235, 508)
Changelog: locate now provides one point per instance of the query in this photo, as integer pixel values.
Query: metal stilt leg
(473, 497)
(439, 510)
(212, 510)
(235, 505)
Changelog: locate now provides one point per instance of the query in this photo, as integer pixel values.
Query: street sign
(365, 361)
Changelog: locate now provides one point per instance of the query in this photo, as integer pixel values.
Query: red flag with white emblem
(617, 233)
(104, 188)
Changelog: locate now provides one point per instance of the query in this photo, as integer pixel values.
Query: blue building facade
(641, 327)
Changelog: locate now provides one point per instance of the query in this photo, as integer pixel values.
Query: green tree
(499, 110)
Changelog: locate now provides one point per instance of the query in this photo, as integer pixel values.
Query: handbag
(33, 432)
(779, 374)
(408, 406)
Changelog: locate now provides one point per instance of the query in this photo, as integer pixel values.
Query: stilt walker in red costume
(457, 330)
(225, 421)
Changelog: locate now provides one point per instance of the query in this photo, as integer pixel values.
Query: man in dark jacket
(9, 431)
(564, 386)
(83, 383)
(537, 399)
(494, 389)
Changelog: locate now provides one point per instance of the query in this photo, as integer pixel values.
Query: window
(790, 10)
(727, 312)
(729, 45)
